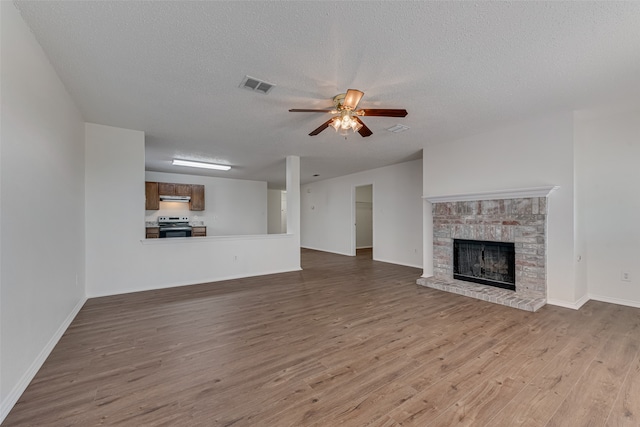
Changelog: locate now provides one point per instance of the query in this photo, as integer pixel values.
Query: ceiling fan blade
(383, 112)
(351, 99)
(321, 127)
(364, 130)
(303, 110)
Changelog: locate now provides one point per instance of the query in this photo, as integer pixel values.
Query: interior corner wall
(328, 212)
(42, 264)
(293, 204)
(608, 150)
(580, 215)
(232, 206)
(274, 212)
(427, 237)
(532, 153)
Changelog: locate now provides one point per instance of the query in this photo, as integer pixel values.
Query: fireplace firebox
(488, 263)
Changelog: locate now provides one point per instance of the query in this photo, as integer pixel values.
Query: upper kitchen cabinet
(153, 191)
(152, 196)
(166, 189)
(183, 189)
(197, 198)
(170, 189)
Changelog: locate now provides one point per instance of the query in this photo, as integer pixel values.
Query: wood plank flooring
(346, 342)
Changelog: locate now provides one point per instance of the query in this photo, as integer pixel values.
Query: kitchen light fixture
(191, 164)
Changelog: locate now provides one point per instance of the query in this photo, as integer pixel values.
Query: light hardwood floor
(346, 342)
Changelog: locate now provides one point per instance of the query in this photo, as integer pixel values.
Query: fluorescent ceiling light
(189, 163)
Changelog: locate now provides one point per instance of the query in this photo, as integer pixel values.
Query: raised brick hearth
(521, 221)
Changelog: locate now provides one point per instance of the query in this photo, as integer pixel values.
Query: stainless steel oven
(174, 226)
(175, 232)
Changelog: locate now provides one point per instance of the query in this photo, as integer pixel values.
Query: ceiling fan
(347, 115)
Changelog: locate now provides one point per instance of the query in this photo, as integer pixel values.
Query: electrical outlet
(625, 276)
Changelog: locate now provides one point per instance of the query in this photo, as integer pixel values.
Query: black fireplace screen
(489, 263)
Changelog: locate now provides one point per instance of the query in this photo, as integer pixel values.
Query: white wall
(364, 216)
(534, 153)
(232, 206)
(580, 230)
(608, 152)
(120, 260)
(293, 202)
(114, 204)
(42, 224)
(283, 212)
(328, 214)
(276, 212)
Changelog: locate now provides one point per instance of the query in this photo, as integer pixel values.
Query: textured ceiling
(173, 70)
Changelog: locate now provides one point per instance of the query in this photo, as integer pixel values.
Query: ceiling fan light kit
(345, 105)
(345, 122)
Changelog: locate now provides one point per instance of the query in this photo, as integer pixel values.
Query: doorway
(364, 221)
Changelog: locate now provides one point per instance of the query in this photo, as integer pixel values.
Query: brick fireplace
(512, 216)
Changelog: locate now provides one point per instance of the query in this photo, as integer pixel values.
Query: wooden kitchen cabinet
(197, 197)
(166, 189)
(183, 189)
(153, 232)
(153, 191)
(170, 189)
(199, 231)
(152, 196)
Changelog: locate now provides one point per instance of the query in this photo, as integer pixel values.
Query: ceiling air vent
(398, 128)
(256, 85)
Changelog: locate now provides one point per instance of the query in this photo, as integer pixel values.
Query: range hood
(184, 199)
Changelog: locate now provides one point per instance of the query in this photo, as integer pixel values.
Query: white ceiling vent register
(398, 128)
(256, 85)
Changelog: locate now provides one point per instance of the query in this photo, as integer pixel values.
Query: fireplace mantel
(519, 193)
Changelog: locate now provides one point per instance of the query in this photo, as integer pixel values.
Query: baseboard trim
(325, 250)
(398, 263)
(602, 298)
(618, 301)
(15, 393)
(364, 247)
(567, 304)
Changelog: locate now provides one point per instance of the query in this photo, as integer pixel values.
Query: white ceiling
(173, 70)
